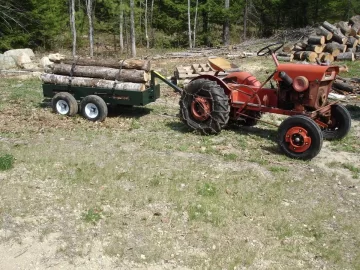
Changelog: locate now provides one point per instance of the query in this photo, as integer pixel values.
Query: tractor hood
(311, 72)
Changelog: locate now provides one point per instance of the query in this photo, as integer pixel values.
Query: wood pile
(130, 74)
(328, 43)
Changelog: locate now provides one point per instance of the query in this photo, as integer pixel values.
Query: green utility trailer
(93, 102)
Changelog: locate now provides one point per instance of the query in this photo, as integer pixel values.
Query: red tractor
(208, 103)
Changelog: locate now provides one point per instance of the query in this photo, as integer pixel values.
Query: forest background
(116, 24)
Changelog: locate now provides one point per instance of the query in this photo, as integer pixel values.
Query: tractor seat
(221, 64)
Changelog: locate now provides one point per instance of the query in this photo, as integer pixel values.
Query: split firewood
(125, 75)
(310, 56)
(352, 42)
(126, 64)
(327, 57)
(90, 82)
(299, 55)
(343, 68)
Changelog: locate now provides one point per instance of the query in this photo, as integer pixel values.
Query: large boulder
(7, 62)
(23, 60)
(16, 52)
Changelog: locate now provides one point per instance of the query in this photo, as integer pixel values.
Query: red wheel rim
(200, 108)
(298, 139)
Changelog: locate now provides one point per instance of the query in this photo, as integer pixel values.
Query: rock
(56, 57)
(16, 52)
(7, 62)
(45, 62)
(23, 59)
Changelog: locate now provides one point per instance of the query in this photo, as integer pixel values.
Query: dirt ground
(141, 191)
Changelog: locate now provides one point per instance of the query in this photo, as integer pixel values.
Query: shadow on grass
(354, 111)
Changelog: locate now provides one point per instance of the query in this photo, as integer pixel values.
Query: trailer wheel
(94, 108)
(204, 106)
(64, 103)
(340, 123)
(300, 137)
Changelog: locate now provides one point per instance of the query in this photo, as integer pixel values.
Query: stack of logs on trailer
(330, 42)
(127, 74)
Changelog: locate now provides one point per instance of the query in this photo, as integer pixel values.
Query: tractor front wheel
(204, 106)
(300, 137)
(340, 123)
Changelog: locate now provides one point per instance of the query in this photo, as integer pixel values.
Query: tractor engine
(304, 86)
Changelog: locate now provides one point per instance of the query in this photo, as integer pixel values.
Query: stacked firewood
(127, 74)
(329, 42)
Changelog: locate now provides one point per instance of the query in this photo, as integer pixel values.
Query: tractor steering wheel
(269, 50)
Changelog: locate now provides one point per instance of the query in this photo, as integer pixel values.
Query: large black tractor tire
(341, 119)
(204, 106)
(94, 108)
(300, 137)
(64, 103)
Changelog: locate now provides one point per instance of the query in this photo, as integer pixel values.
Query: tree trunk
(124, 75)
(316, 40)
(245, 19)
(332, 48)
(315, 48)
(73, 26)
(121, 28)
(310, 56)
(127, 64)
(151, 21)
(89, 82)
(189, 26)
(345, 56)
(195, 23)
(132, 29)
(89, 11)
(321, 31)
(344, 28)
(146, 25)
(329, 27)
(226, 26)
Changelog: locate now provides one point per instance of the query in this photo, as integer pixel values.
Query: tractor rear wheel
(204, 106)
(300, 137)
(340, 123)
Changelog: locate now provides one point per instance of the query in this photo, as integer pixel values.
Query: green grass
(145, 190)
(6, 162)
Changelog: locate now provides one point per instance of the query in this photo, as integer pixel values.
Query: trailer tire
(65, 104)
(204, 106)
(94, 108)
(300, 137)
(341, 123)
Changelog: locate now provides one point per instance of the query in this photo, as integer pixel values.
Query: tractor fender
(242, 77)
(215, 79)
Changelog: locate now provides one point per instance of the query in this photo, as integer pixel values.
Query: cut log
(321, 31)
(298, 48)
(285, 58)
(344, 28)
(330, 27)
(327, 57)
(316, 40)
(315, 48)
(343, 86)
(284, 54)
(299, 55)
(127, 63)
(332, 48)
(345, 56)
(310, 56)
(339, 37)
(353, 50)
(288, 47)
(352, 42)
(341, 47)
(343, 68)
(301, 44)
(89, 82)
(125, 75)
